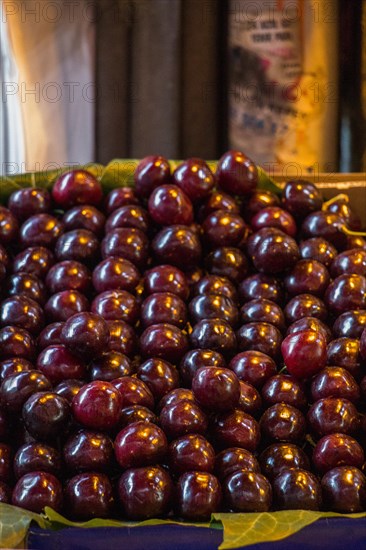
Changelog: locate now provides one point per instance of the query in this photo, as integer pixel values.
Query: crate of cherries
(191, 345)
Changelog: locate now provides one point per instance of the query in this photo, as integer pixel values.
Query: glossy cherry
(24, 203)
(89, 495)
(38, 489)
(77, 187)
(97, 406)
(280, 457)
(304, 353)
(236, 173)
(151, 172)
(79, 245)
(168, 205)
(191, 452)
(140, 444)
(198, 495)
(344, 490)
(84, 217)
(246, 491)
(296, 489)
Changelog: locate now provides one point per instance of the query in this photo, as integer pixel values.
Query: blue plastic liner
(333, 533)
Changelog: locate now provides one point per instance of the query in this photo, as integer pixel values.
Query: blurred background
(282, 80)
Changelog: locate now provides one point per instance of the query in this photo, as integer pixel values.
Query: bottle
(283, 85)
(352, 42)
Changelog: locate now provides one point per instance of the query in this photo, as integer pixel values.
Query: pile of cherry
(189, 346)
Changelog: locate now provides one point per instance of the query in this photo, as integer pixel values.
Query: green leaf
(119, 173)
(14, 524)
(245, 529)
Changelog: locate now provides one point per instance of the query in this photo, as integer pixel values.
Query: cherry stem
(340, 197)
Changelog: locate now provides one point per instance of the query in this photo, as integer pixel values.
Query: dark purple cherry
(50, 335)
(345, 293)
(126, 242)
(145, 492)
(134, 392)
(282, 422)
(130, 215)
(228, 262)
(258, 200)
(160, 376)
(140, 444)
(280, 457)
(342, 207)
(63, 305)
(27, 202)
(296, 489)
(222, 228)
(191, 452)
(79, 245)
(177, 245)
(174, 396)
(34, 457)
(318, 249)
(216, 389)
(88, 451)
(333, 415)
(27, 285)
(350, 324)
(274, 216)
(59, 364)
(14, 365)
(311, 323)
(236, 429)
(275, 253)
(354, 241)
(165, 341)
(247, 492)
(345, 352)
(337, 450)
(35, 490)
(197, 358)
(250, 399)
(327, 226)
(151, 172)
(40, 230)
(110, 365)
(16, 342)
(183, 417)
(46, 415)
(198, 495)
(116, 305)
(263, 310)
(236, 173)
(163, 307)
(212, 306)
(260, 286)
(89, 495)
(305, 305)
(137, 413)
(304, 353)
(301, 197)
(85, 334)
(349, 262)
(68, 388)
(213, 284)
(218, 200)
(36, 260)
(253, 367)
(68, 275)
(335, 382)
(344, 490)
(307, 277)
(213, 334)
(233, 459)
(262, 337)
(9, 227)
(195, 178)
(22, 312)
(77, 187)
(84, 217)
(283, 388)
(168, 205)
(122, 337)
(97, 406)
(119, 197)
(166, 278)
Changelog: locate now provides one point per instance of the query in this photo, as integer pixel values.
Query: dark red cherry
(14, 365)
(85, 334)
(349, 262)
(218, 200)
(97, 406)
(145, 492)
(228, 262)
(337, 450)
(344, 490)
(236, 429)
(211, 306)
(69, 388)
(77, 187)
(260, 286)
(301, 197)
(304, 353)
(326, 225)
(126, 242)
(183, 417)
(63, 305)
(263, 310)
(165, 341)
(122, 337)
(311, 323)
(151, 172)
(163, 307)
(59, 364)
(68, 275)
(168, 205)
(36, 260)
(345, 352)
(214, 334)
(318, 249)
(350, 324)
(22, 312)
(258, 200)
(27, 285)
(233, 459)
(236, 173)
(216, 389)
(345, 293)
(282, 388)
(198, 495)
(197, 358)
(140, 444)
(191, 452)
(275, 253)
(296, 489)
(282, 422)
(116, 305)
(335, 382)
(342, 207)
(177, 245)
(90, 451)
(33, 457)
(130, 215)
(333, 415)
(137, 413)
(27, 202)
(134, 392)
(50, 335)
(305, 305)
(253, 367)
(307, 277)
(262, 337)
(119, 197)
(250, 399)
(213, 284)
(40, 230)
(35, 490)
(79, 245)
(274, 216)
(222, 228)
(84, 217)
(160, 376)
(89, 495)
(195, 178)
(247, 492)
(16, 342)
(174, 396)
(46, 415)
(9, 227)
(166, 278)
(110, 365)
(280, 457)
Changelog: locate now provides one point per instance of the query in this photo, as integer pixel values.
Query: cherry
(191, 452)
(166, 278)
(197, 358)
(36, 260)
(333, 415)
(305, 305)
(165, 341)
(134, 392)
(85, 334)
(216, 389)
(46, 415)
(89, 495)
(151, 172)
(168, 205)
(116, 305)
(247, 492)
(110, 365)
(233, 459)
(262, 337)
(327, 226)
(27, 285)
(22, 312)
(140, 444)
(236, 429)
(69, 388)
(280, 457)
(160, 376)
(263, 310)
(348, 262)
(335, 382)
(250, 400)
(307, 277)
(63, 305)
(119, 197)
(16, 342)
(137, 413)
(300, 197)
(79, 245)
(304, 353)
(213, 284)
(218, 200)
(177, 245)
(181, 418)
(35, 490)
(345, 352)
(282, 388)
(274, 216)
(222, 228)
(318, 249)
(145, 492)
(122, 337)
(228, 262)
(16, 388)
(345, 293)
(350, 324)
(310, 323)
(14, 365)
(337, 449)
(342, 208)
(257, 201)
(198, 495)
(163, 307)
(40, 230)
(77, 187)
(344, 490)
(195, 178)
(87, 450)
(33, 457)
(174, 396)
(24, 203)
(253, 366)
(275, 252)
(59, 364)
(84, 217)
(214, 334)
(296, 489)
(129, 215)
(9, 227)
(236, 173)
(97, 405)
(260, 286)
(282, 422)
(211, 306)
